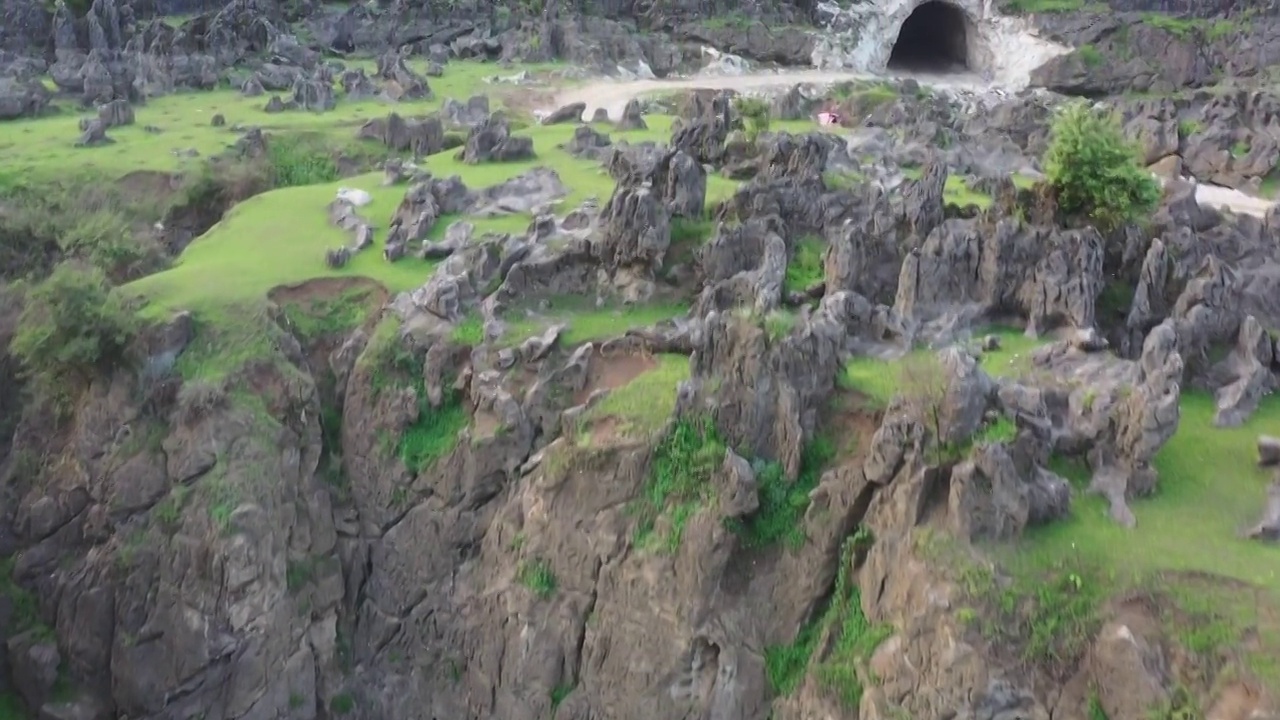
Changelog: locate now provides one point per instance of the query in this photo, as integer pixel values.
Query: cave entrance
(934, 38)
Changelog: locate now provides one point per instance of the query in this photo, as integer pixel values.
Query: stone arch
(938, 36)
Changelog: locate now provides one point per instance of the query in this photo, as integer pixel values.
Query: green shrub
(755, 113)
(1095, 170)
(72, 324)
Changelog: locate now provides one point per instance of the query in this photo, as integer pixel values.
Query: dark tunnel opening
(934, 38)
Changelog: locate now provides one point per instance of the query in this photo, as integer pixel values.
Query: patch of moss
(342, 704)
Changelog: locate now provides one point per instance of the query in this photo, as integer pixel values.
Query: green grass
(878, 379)
(1209, 490)
(559, 693)
(806, 266)
(679, 481)
(1270, 187)
(537, 576)
(956, 190)
(280, 237)
(1053, 6)
(435, 433)
(470, 331)
(644, 405)
(1185, 28)
(328, 317)
(43, 146)
(1090, 55)
(857, 639)
(25, 606)
(785, 665)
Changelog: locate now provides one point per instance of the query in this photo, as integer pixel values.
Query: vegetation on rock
(71, 324)
(1095, 170)
(679, 480)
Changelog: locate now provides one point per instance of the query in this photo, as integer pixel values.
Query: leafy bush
(71, 324)
(1095, 170)
(756, 114)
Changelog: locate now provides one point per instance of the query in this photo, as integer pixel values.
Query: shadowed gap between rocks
(934, 38)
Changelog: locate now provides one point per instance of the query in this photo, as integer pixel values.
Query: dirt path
(613, 95)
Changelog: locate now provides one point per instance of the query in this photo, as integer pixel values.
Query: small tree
(70, 324)
(923, 384)
(755, 114)
(1095, 170)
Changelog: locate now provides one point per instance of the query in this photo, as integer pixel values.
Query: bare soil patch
(319, 290)
(613, 371)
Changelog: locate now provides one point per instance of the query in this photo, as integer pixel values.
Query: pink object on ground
(828, 118)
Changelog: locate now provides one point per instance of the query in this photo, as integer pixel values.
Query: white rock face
(354, 197)
(1002, 50)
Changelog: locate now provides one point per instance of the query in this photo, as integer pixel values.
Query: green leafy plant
(538, 577)
(755, 115)
(1095, 171)
(71, 324)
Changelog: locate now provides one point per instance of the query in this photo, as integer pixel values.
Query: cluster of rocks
(175, 609)
(343, 215)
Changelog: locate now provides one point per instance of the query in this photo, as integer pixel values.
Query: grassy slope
(280, 237)
(44, 147)
(1210, 489)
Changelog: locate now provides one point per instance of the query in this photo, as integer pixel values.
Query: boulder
(492, 141)
(566, 114)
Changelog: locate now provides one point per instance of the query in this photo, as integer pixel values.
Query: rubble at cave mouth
(934, 38)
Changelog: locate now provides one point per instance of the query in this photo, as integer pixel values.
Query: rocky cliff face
(380, 522)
